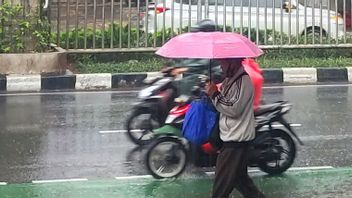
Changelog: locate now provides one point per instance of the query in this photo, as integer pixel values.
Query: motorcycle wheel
(166, 158)
(284, 144)
(140, 125)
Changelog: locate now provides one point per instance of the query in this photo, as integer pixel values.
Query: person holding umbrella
(250, 66)
(234, 102)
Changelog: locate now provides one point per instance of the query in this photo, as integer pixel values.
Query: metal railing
(142, 25)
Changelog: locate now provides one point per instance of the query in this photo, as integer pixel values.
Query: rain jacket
(234, 102)
(255, 73)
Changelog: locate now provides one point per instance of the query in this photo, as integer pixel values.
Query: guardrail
(139, 25)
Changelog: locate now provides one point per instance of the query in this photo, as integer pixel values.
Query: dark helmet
(205, 25)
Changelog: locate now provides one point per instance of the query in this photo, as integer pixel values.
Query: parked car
(280, 14)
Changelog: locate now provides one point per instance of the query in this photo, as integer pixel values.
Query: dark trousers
(231, 172)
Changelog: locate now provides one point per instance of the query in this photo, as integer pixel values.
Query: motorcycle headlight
(286, 108)
(144, 93)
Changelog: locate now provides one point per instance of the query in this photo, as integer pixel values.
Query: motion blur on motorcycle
(155, 103)
(158, 98)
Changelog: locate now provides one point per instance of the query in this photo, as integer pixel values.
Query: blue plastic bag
(199, 121)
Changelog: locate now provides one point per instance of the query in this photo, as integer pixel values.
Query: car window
(245, 3)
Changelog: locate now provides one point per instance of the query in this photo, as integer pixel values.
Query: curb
(130, 79)
(300, 75)
(332, 75)
(23, 83)
(101, 81)
(273, 76)
(3, 82)
(58, 82)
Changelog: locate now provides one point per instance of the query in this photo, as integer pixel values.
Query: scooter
(155, 103)
(273, 149)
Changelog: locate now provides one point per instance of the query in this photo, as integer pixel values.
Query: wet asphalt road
(56, 135)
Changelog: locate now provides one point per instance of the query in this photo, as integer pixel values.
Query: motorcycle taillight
(208, 148)
(179, 110)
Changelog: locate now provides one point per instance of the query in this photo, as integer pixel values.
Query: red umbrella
(209, 45)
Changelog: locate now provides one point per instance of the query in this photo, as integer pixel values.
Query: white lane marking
(325, 137)
(113, 131)
(290, 169)
(310, 168)
(150, 176)
(280, 125)
(138, 130)
(249, 171)
(59, 180)
(305, 86)
(210, 173)
(134, 177)
(118, 131)
(69, 92)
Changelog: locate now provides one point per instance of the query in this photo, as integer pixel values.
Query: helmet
(205, 25)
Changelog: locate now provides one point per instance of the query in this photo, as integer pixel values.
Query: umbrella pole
(209, 70)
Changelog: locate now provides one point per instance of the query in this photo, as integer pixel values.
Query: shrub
(22, 34)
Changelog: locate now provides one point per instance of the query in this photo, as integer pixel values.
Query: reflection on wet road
(56, 136)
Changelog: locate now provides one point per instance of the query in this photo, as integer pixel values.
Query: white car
(171, 14)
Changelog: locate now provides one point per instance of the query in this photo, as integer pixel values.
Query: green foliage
(116, 62)
(81, 38)
(145, 62)
(308, 53)
(22, 34)
(112, 57)
(119, 36)
(147, 65)
(265, 62)
(156, 64)
(125, 37)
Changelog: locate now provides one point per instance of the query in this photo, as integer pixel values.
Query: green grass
(148, 62)
(305, 62)
(148, 65)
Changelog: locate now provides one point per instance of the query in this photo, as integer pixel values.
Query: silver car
(291, 17)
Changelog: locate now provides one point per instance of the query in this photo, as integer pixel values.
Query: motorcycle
(273, 150)
(151, 112)
(158, 99)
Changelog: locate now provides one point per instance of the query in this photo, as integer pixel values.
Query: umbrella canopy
(209, 45)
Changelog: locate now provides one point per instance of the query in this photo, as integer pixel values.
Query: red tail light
(161, 9)
(179, 110)
(209, 149)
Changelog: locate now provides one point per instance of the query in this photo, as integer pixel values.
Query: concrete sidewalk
(293, 184)
(103, 81)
